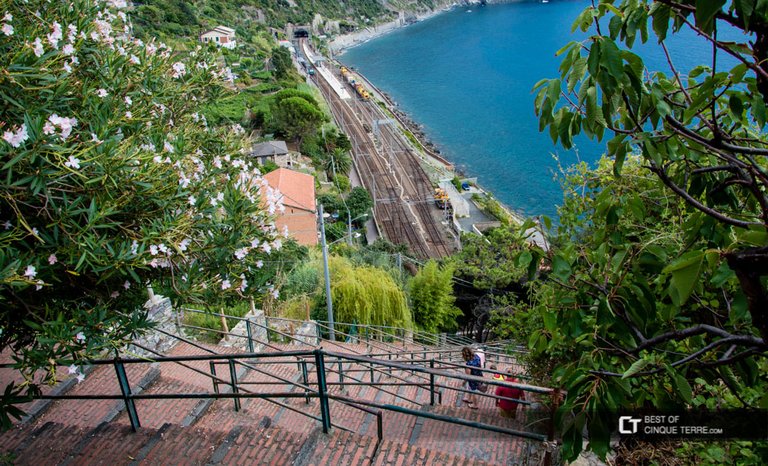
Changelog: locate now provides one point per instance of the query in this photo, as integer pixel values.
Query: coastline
(338, 45)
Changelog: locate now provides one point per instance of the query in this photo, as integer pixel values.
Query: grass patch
(212, 322)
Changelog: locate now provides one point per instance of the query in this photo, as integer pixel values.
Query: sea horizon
(466, 78)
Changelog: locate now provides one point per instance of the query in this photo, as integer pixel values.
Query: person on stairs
(508, 408)
(473, 368)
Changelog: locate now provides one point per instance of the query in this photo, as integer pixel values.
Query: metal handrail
(268, 328)
(247, 365)
(369, 366)
(321, 392)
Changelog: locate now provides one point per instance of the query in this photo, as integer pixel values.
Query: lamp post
(328, 299)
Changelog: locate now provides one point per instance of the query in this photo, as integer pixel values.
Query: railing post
(322, 391)
(371, 368)
(213, 373)
(250, 335)
(233, 375)
(551, 428)
(125, 388)
(305, 378)
(341, 374)
(432, 383)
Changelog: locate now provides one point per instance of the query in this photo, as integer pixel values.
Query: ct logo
(633, 422)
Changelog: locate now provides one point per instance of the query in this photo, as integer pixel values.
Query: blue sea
(467, 76)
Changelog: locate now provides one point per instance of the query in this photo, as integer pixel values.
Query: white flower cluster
(16, 137)
(7, 29)
(65, 125)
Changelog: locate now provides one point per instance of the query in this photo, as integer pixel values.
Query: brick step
(49, 443)
(64, 381)
(154, 413)
(173, 444)
(102, 380)
(349, 449)
(262, 445)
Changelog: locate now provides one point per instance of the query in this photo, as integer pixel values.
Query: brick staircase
(278, 431)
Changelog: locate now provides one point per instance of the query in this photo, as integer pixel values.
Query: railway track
(390, 170)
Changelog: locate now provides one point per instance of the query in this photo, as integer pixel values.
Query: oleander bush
(112, 178)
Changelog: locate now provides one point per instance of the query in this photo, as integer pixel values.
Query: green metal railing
(308, 389)
(251, 340)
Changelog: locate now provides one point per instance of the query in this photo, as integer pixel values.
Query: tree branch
(695, 203)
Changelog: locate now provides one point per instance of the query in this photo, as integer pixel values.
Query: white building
(221, 36)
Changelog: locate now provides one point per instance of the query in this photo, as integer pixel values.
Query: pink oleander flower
(102, 93)
(7, 29)
(128, 100)
(114, 294)
(184, 243)
(73, 369)
(127, 284)
(64, 124)
(37, 47)
(225, 285)
(30, 271)
(179, 70)
(68, 49)
(80, 377)
(52, 259)
(48, 128)
(80, 337)
(241, 253)
(192, 200)
(73, 162)
(16, 138)
(135, 60)
(55, 35)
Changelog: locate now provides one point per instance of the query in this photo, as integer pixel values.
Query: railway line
(390, 170)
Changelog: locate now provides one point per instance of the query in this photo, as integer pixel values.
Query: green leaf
(550, 321)
(683, 387)
(735, 106)
(758, 110)
(744, 9)
(524, 259)
(560, 268)
(636, 367)
(612, 58)
(685, 273)
(705, 13)
(660, 15)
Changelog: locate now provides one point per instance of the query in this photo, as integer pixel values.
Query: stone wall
(159, 311)
(258, 327)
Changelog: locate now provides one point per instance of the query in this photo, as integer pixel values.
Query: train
(442, 200)
(355, 83)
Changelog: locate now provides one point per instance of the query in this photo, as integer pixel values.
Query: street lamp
(328, 299)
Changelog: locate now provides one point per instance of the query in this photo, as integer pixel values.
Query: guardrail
(308, 389)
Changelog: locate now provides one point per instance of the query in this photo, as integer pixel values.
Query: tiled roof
(269, 148)
(297, 189)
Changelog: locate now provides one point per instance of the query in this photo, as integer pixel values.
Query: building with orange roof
(297, 193)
